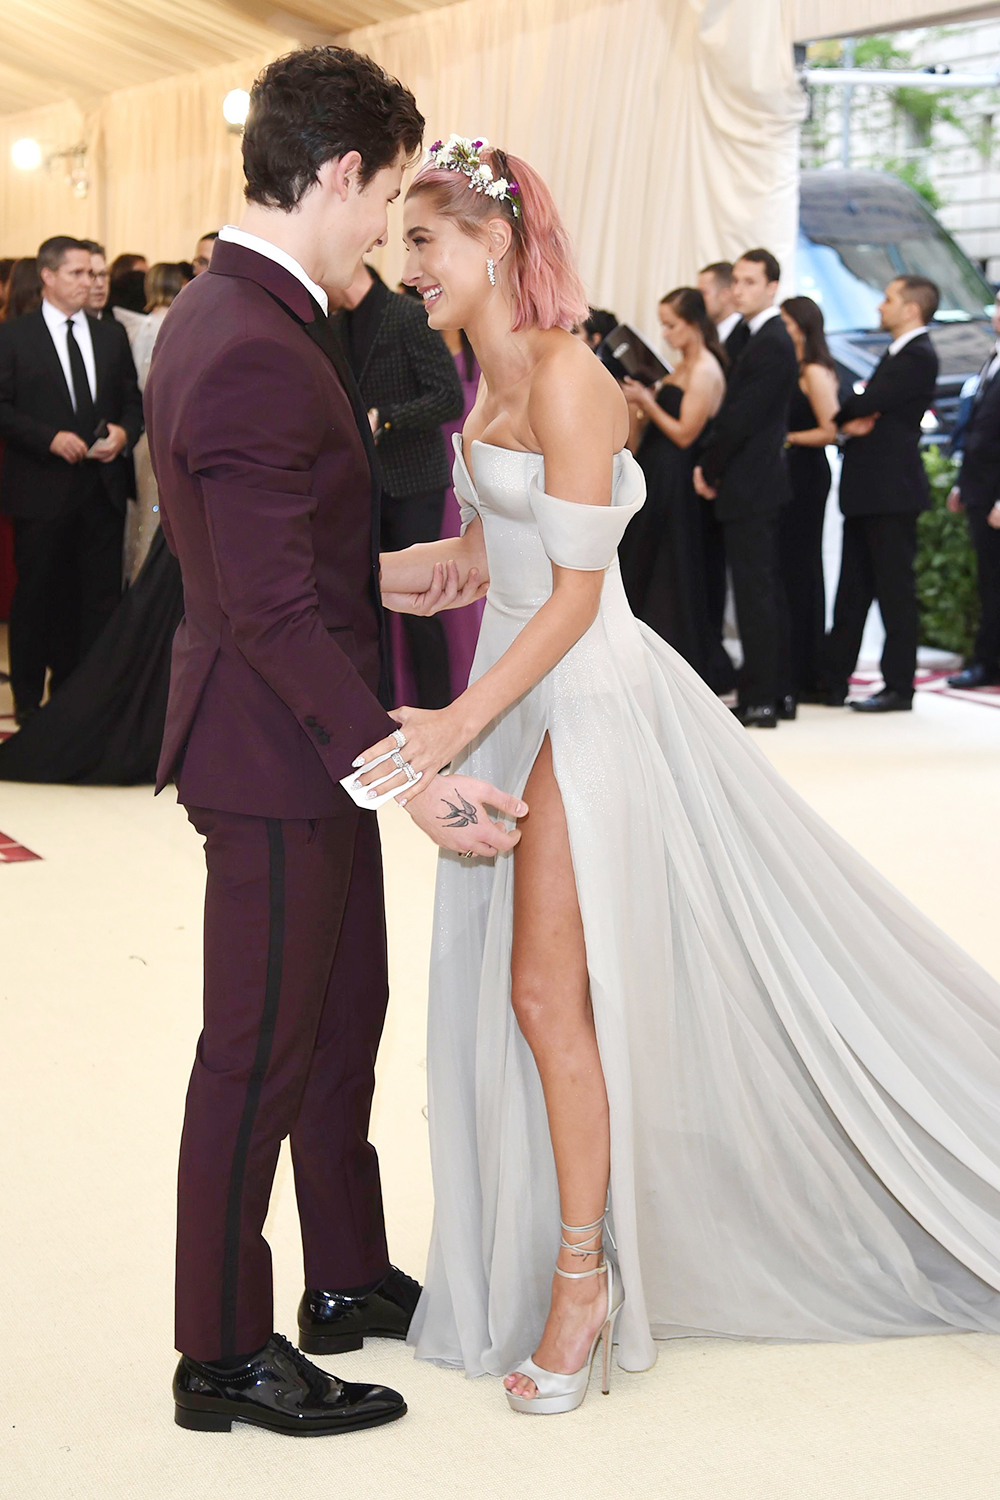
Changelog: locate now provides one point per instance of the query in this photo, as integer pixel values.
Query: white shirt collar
(56, 319)
(725, 328)
(904, 338)
(280, 257)
(764, 316)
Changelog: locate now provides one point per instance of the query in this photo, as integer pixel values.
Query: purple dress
(461, 626)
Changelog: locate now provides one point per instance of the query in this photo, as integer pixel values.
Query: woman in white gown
(681, 989)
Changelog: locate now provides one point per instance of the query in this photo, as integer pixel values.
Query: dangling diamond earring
(491, 271)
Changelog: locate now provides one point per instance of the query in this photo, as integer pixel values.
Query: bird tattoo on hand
(459, 817)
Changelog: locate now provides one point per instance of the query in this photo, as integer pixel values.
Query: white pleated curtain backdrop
(667, 129)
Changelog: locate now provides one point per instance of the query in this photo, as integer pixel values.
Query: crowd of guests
(733, 444)
(93, 592)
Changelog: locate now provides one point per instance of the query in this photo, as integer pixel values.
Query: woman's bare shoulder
(569, 383)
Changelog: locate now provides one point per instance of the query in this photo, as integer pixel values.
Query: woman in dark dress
(800, 529)
(662, 555)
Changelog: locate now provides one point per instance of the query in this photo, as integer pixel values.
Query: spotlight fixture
(235, 106)
(26, 154)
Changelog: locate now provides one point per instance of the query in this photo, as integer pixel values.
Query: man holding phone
(70, 413)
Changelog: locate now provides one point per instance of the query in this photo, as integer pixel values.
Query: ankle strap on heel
(590, 1231)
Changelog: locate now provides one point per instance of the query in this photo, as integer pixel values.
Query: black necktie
(86, 416)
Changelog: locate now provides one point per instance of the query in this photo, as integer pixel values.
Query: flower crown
(457, 154)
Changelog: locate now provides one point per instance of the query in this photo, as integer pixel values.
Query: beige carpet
(99, 976)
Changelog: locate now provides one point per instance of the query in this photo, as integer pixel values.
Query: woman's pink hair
(546, 286)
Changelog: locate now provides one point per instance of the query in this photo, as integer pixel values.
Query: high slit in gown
(803, 1073)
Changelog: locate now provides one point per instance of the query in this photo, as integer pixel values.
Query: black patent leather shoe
(333, 1323)
(281, 1390)
(788, 707)
(757, 715)
(885, 702)
(973, 677)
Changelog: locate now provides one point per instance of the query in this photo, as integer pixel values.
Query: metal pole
(847, 61)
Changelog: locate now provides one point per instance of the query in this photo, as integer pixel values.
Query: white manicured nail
(359, 762)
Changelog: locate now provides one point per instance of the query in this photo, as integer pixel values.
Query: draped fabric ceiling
(667, 128)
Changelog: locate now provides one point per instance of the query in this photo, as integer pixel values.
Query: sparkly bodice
(526, 530)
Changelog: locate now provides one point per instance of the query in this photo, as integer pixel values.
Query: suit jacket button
(310, 723)
(323, 738)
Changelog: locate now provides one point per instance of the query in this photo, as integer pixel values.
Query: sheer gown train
(803, 1072)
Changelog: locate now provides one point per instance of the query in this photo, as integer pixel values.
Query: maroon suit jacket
(266, 498)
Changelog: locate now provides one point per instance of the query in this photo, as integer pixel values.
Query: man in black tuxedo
(883, 488)
(977, 492)
(744, 473)
(64, 378)
(410, 386)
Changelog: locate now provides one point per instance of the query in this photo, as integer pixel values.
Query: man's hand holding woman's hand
(446, 591)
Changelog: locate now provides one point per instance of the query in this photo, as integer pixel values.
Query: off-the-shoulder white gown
(803, 1072)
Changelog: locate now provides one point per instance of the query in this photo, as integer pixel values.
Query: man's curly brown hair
(315, 105)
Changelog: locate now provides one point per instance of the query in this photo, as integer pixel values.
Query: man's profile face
(98, 299)
(894, 311)
(202, 256)
(995, 318)
(752, 291)
(68, 287)
(361, 220)
(716, 296)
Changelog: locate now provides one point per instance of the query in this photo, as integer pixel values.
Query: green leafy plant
(946, 566)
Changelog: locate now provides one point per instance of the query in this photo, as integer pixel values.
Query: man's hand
(108, 449)
(445, 592)
(701, 485)
(993, 517)
(68, 446)
(954, 501)
(860, 426)
(452, 812)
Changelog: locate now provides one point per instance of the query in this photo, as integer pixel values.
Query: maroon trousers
(295, 997)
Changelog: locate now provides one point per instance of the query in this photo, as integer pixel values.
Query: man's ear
(342, 173)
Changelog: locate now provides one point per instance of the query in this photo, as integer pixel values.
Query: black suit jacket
(35, 404)
(411, 377)
(979, 476)
(883, 473)
(744, 453)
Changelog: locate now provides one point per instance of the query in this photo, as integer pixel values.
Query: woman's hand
(445, 592)
(432, 739)
(639, 395)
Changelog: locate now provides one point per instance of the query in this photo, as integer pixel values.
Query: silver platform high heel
(559, 1393)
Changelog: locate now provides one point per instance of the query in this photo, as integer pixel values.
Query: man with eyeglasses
(100, 281)
(203, 252)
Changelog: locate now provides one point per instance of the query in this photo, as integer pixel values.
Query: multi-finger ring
(399, 737)
(398, 761)
(411, 774)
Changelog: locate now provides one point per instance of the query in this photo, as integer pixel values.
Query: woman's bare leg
(551, 999)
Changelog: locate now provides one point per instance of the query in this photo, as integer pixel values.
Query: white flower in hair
(459, 154)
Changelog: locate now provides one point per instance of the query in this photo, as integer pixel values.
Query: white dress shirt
(56, 322)
(765, 315)
(280, 257)
(904, 338)
(725, 328)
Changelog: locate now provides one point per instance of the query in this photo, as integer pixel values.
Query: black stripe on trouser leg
(268, 1020)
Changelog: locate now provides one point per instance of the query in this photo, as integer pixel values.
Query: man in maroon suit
(264, 461)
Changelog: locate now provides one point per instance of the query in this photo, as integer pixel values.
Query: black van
(857, 230)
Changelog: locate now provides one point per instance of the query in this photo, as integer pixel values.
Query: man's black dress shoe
(973, 677)
(885, 702)
(335, 1323)
(279, 1389)
(757, 715)
(787, 707)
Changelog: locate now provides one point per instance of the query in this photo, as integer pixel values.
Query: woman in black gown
(662, 552)
(800, 529)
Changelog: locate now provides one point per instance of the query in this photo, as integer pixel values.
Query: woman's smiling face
(445, 264)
